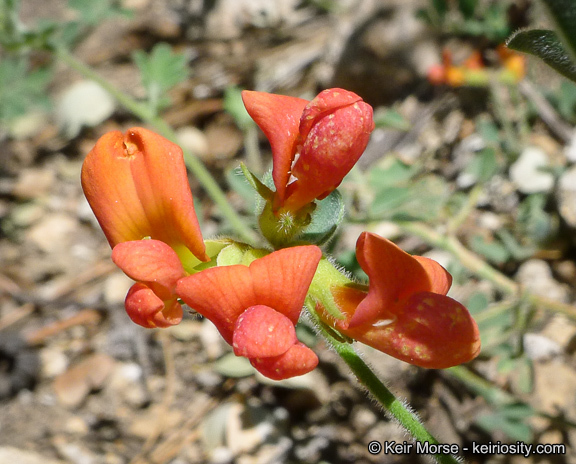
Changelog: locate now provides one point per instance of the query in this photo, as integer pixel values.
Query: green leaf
(524, 378)
(160, 70)
(477, 302)
(488, 130)
(518, 251)
(441, 7)
(231, 255)
(414, 200)
(493, 251)
(256, 184)
(238, 183)
(545, 45)
(563, 12)
(467, 7)
(326, 218)
(510, 420)
(20, 88)
(391, 172)
(484, 165)
(389, 118)
(92, 12)
(389, 200)
(533, 220)
(566, 99)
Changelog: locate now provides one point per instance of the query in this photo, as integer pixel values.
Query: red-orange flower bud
(137, 186)
(317, 142)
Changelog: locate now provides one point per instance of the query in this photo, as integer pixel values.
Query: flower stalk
(392, 405)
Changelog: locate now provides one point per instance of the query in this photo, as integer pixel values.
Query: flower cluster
(137, 186)
(474, 72)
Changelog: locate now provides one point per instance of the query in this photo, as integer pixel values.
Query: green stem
(192, 162)
(396, 408)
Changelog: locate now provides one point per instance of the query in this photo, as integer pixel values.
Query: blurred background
(472, 163)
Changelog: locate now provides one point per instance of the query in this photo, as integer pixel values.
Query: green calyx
(283, 227)
(328, 276)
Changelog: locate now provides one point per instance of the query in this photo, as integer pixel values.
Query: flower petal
(325, 102)
(394, 276)
(149, 261)
(137, 187)
(279, 118)
(145, 308)
(335, 129)
(279, 280)
(298, 360)
(262, 332)
(429, 330)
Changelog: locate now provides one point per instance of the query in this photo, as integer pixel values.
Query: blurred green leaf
(488, 130)
(392, 172)
(417, 200)
(509, 419)
(517, 251)
(20, 88)
(532, 219)
(524, 375)
(477, 302)
(467, 7)
(389, 118)
(484, 165)
(93, 12)
(493, 251)
(440, 7)
(161, 70)
(545, 45)
(566, 99)
(242, 187)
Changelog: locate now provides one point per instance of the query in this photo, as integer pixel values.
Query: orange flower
(316, 142)
(137, 186)
(405, 312)
(152, 301)
(256, 307)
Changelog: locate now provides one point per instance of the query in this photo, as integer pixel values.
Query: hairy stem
(399, 410)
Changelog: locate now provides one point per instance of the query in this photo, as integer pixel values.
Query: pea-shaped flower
(315, 143)
(405, 312)
(137, 186)
(255, 307)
